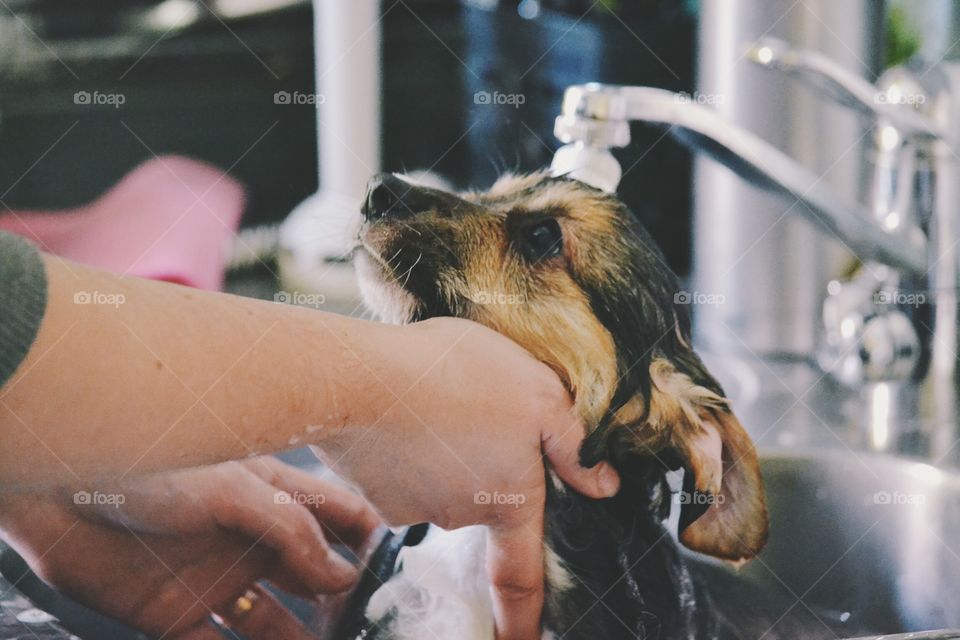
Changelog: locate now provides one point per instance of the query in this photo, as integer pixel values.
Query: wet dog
(567, 272)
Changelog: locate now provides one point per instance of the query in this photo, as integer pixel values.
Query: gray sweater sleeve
(23, 300)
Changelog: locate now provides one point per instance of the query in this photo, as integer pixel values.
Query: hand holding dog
(471, 424)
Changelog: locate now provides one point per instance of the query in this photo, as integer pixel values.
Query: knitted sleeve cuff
(23, 301)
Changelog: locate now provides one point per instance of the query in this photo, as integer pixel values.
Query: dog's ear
(723, 512)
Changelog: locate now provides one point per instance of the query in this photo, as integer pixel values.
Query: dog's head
(568, 272)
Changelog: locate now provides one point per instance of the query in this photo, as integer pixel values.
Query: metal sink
(868, 539)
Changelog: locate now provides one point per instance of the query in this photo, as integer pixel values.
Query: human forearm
(425, 418)
(147, 376)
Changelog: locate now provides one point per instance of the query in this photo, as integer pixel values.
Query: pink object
(169, 219)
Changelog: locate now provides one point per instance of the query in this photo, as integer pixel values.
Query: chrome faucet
(890, 333)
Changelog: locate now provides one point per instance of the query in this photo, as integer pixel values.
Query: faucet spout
(594, 117)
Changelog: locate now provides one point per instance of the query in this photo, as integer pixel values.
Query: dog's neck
(627, 577)
(613, 571)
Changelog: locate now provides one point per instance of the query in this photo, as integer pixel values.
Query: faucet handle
(841, 85)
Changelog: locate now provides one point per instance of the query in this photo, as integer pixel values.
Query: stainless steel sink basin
(870, 539)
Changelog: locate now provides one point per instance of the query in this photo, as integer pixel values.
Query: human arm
(420, 417)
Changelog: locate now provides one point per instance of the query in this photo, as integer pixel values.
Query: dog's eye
(542, 241)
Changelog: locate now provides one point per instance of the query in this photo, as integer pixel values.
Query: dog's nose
(384, 197)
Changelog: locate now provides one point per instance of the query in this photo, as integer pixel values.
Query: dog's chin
(389, 301)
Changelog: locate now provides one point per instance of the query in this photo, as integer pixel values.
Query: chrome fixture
(891, 331)
(773, 269)
(595, 117)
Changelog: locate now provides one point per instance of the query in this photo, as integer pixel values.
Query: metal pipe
(594, 107)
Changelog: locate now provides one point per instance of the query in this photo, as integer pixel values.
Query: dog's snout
(389, 196)
(385, 194)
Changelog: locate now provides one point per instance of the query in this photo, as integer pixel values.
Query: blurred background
(223, 143)
(199, 80)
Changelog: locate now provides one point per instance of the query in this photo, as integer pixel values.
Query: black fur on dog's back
(632, 581)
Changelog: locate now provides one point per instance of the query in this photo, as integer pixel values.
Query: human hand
(468, 422)
(189, 543)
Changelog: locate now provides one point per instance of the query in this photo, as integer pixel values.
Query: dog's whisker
(410, 270)
(393, 257)
(407, 226)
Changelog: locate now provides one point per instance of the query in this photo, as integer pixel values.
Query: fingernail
(346, 573)
(608, 480)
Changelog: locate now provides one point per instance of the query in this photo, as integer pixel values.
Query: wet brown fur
(545, 307)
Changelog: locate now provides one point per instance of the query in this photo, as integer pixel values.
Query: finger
(281, 577)
(515, 567)
(258, 615)
(562, 448)
(344, 513)
(269, 515)
(204, 630)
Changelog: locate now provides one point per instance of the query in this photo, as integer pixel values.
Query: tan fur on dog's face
(479, 277)
(568, 273)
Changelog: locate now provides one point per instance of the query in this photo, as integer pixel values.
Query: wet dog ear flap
(723, 511)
